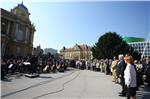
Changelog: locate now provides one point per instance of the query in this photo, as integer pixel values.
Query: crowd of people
(131, 73)
(102, 65)
(32, 64)
(126, 71)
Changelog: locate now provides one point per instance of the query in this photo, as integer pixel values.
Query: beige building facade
(17, 32)
(77, 52)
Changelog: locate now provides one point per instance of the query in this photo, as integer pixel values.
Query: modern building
(133, 39)
(50, 50)
(17, 31)
(140, 45)
(77, 52)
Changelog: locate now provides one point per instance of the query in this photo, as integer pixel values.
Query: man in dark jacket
(120, 68)
(146, 72)
(33, 62)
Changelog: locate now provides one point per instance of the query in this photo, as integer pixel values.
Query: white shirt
(130, 76)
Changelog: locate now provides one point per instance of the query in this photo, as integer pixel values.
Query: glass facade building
(142, 47)
(139, 44)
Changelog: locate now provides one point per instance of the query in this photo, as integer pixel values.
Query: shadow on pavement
(7, 80)
(10, 77)
(44, 77)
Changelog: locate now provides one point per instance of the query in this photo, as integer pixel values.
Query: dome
(23, 7)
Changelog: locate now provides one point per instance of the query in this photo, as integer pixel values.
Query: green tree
(109, 45)
(135, 54)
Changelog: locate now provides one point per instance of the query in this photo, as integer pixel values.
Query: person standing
(130, 77)
(120, 70)
(146, 72)
(33, 62)
(97, 65)
(94, 65)
(114, 70)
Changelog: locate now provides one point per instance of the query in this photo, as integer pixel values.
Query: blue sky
(61, 24)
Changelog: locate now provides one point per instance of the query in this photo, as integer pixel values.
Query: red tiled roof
(82, 47)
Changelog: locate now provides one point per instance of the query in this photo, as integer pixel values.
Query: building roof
(84, 47)
(133, 39)
(77, 47)
(13, 17)
(23, 7)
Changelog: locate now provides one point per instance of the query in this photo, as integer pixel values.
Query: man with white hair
(121, 67)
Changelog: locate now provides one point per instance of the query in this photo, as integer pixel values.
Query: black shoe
(122, 95)
(119, 92)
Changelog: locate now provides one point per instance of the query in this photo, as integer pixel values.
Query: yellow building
(77, 52)
(17, 32)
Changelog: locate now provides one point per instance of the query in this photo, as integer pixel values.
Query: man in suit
(33, 62)
(120, 68)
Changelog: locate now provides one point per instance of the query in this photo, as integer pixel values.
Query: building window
(4, 25)
(11, 27)
(20, 34)
(3, 48)
(18, 50)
